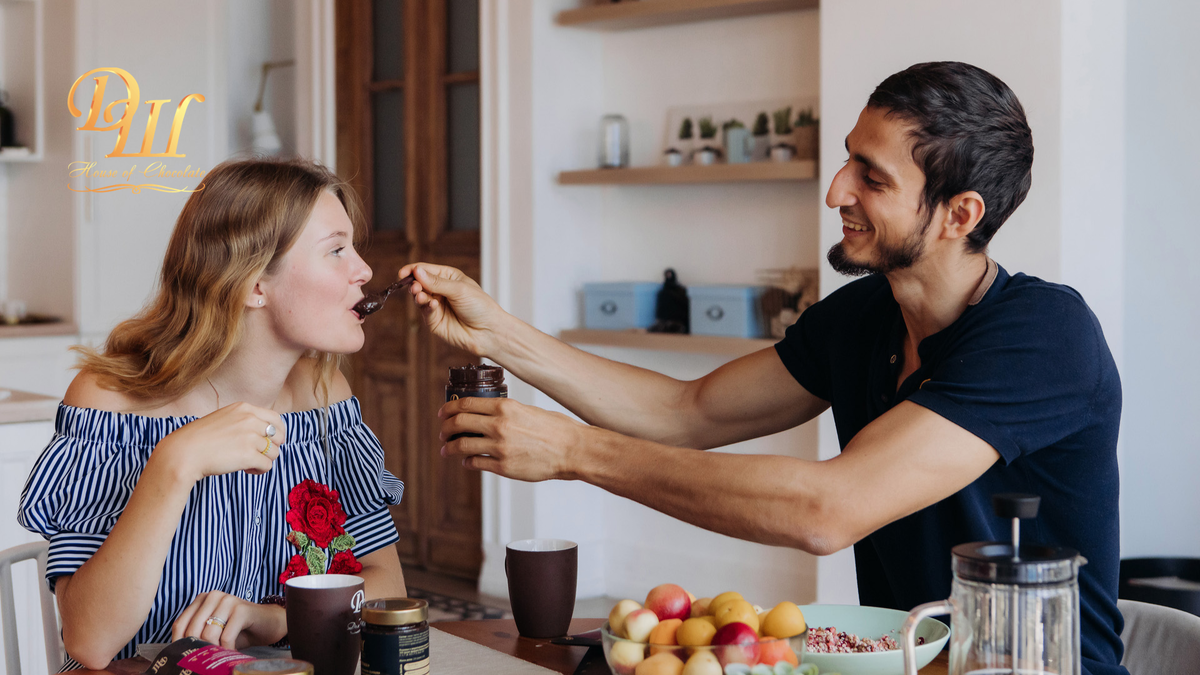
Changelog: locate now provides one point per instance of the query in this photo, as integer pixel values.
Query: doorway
(408, 136)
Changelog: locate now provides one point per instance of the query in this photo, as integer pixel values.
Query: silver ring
(215, 621)
(270, 432)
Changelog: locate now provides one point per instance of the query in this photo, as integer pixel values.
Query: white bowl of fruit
(674, 633)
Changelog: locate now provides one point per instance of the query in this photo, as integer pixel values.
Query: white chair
(1159, 640)
(8, 613)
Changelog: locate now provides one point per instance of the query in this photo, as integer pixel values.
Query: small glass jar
(477, 382)
(395, 636)
(273, 667)
(614, 142)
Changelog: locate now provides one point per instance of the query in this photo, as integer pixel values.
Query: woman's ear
(256, 297)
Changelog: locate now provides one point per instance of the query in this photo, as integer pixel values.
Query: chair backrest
(8, 612)
(1159, 640)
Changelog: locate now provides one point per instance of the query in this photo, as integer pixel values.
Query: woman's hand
(245, 623)
(233, 438)
(518, 441)
(456, 308)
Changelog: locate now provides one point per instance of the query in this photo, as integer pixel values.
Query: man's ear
(964, 211)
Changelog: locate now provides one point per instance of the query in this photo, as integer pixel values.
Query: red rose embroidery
(345, 563)
(315, 511)
(297, 567)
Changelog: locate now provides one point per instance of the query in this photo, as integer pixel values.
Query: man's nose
(841, 190)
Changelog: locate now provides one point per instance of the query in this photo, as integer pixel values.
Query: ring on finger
(266, 448)
(270, 432)
(215, 620)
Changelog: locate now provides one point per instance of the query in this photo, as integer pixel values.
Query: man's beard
(890, 259)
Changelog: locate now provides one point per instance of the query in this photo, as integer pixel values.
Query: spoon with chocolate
(374, 302)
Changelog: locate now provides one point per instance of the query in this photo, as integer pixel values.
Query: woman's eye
(338, 251)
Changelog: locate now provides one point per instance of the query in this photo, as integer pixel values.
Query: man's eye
(868, 181)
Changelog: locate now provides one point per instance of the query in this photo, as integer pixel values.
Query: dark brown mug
(541, 585)
(324, 617)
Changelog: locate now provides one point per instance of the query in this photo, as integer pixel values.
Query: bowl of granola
(854, 640)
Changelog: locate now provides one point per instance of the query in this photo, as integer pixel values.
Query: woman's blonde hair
(236, 229)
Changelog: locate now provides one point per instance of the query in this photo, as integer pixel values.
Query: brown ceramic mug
(541, 585)
(324, 616)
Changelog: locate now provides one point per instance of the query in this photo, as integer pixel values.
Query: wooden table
(501, 635)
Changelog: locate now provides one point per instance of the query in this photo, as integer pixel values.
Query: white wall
(1160, 503)
(260, 31)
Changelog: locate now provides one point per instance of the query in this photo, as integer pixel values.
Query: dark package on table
(193, 655)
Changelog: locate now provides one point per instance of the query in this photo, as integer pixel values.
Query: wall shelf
(805, 169)
(631, 15)
(22, 66)
(665, 342)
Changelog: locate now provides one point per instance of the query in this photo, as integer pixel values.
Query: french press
(1013, 608)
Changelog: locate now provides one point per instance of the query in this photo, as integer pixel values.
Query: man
(950, 380)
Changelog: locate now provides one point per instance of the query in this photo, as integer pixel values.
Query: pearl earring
(260, 302)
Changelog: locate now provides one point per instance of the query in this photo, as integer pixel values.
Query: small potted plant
(783, 146)
(762, 138)
(679, 153)
(807, 134)
(708, 152)
(738, 143)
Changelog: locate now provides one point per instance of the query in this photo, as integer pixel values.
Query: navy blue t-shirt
(1027, 370)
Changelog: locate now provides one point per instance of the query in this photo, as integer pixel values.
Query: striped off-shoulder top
(232, 536)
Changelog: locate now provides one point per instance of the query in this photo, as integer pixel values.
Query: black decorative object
(671, 309)
(8, 132)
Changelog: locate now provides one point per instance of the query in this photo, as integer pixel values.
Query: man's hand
(518, 441)
(455, 308)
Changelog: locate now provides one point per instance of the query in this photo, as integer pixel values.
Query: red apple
(639, 623)
(669, 601)
(741, 643)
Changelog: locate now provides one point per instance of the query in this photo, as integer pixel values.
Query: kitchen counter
(22, 406)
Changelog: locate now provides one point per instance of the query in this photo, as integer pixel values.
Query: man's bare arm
(905, 460)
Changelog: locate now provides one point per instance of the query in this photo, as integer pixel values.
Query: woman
(212, 449)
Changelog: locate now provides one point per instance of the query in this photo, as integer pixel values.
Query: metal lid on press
(993, 562)
(395, 611)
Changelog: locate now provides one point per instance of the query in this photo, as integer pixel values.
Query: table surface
(501, 635)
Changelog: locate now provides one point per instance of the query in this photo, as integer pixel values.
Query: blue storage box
(729, 311)
(619, 305)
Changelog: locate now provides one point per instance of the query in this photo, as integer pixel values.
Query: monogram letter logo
(125, 123)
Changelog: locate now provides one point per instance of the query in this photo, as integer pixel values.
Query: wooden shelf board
(38, 329)
(665, 342)
(804, 169)
(634, 14)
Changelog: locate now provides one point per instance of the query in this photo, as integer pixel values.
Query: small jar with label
(475, 381)
(395, 636)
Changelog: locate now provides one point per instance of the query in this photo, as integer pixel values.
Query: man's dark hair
(970, 134)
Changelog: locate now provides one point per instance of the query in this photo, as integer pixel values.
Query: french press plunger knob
(1016, 506)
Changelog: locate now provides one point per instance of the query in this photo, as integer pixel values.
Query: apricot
(772, 651)
(703, 662)
(784, 621)
(722, 599)
(660, 664)
(664, 634)
(696, 632)
(736, 611)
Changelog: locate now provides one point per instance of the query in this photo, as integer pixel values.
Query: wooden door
(408, 138)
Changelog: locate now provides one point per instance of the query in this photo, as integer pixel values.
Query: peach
(700, 607)
(639, 623)
(660, 664)
(616, 617)
(625, 656)
(669, 601)
(696, 632)
(784, 621)
(702, 663)
(772, 651)
(741, 641)
(736, 611)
